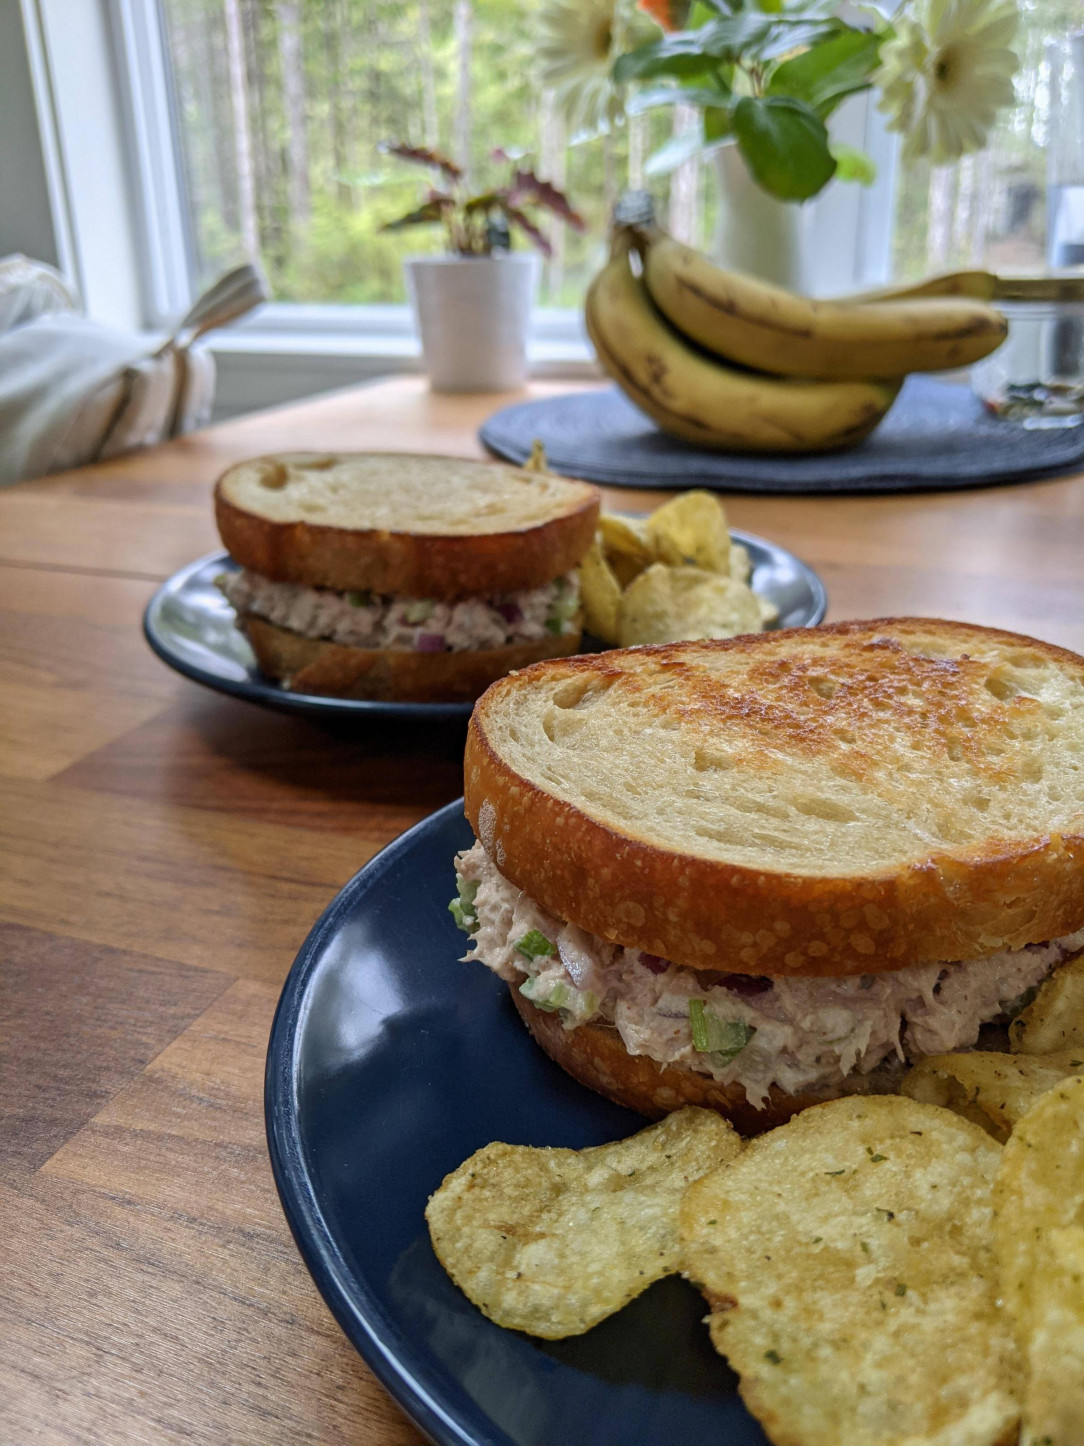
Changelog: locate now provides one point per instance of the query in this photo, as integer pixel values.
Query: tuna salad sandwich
(760, 873)
(386, 575)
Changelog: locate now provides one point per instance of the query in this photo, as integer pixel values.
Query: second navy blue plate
(192, 628)
(389, 1063)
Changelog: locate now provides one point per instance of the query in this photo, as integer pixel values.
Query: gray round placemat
(937, 436)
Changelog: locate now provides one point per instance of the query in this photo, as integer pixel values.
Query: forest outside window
(280, 108)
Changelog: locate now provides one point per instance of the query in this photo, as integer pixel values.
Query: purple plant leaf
(427, 215)
(519, 218)
(422, 156)
(546, 194)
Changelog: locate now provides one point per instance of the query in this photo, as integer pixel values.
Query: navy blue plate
(389, 1063)
(191, 627)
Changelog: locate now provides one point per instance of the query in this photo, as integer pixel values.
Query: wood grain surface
(163, 852)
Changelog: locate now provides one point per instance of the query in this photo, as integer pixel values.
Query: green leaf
(698, 52)
(853, 165)
(426, 215)
(785, 145)
(678, 55)
(661, 95)
(828, 72)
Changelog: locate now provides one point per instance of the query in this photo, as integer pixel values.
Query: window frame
(856, 220)
(131, 249)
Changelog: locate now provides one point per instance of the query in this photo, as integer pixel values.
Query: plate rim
(266, 695)
(396, 1367)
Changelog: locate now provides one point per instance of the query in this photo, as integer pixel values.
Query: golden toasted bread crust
(311, 665)
(411, 564)
(959, 902)
(595, 1055)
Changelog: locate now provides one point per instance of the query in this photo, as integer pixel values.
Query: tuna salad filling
(798, 1034)
(422, 625)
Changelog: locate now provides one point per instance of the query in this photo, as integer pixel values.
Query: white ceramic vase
(756, 233)
(472, 314)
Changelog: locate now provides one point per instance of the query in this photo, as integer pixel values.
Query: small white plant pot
(472, 314)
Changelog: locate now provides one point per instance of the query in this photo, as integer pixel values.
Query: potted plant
(472, 304)
(767, 82)
(766, 79)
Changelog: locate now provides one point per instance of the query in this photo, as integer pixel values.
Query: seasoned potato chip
(993, 1089)
(691, 530)
(1039, 1194)
(1055, 1018)
(536, 462)
(848, 1258)
(666, 604)
(626, 545)
(553, 1241)
(769, 613)
(740, 564)
(600, 594)
(1054, 1395)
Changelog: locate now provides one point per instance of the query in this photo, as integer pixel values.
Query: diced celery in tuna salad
(799, 1034)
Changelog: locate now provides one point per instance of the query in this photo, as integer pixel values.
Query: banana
(980, 285)
(983, 285)
(762, 326)
(705, 401)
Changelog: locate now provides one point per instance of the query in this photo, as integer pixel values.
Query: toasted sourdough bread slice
(432, 527)
(839, 800)
(595, 1055)
(314, 665)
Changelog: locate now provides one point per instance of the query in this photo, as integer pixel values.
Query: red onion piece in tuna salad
(430, 643)
(510, 611)
(653, 963)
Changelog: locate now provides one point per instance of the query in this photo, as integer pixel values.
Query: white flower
(576, 49)
(946, 73)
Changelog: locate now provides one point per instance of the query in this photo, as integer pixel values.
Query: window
(282, 106)
(990, 210)
(213, 126)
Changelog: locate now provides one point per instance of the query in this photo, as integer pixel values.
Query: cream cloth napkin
(73, 391)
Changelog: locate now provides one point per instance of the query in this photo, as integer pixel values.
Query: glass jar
(1036, 377)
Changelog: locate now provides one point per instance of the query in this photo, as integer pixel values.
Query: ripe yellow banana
(983, 285)
(762, 326)
(706, 401)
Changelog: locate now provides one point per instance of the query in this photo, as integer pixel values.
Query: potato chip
(741, 565)
(769, 613)
(848, 1259)
(1054, 1395)
(626, 545)
(1039, 1194)
(667, 604)
(600, 594)
(536, 462)
(1054, 1020)
(995, 1090)
(690, 530)
(553, 1241)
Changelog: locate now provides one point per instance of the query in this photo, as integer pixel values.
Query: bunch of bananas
(730, 362)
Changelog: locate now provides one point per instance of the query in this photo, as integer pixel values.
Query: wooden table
(163, 852)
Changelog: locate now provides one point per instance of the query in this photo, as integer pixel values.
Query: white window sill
(264, 366)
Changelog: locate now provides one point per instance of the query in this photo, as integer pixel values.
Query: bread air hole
(707, 760)
(1001, 687)
(579, 692)
(273, 476)
(826, 808)
(824, 687)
